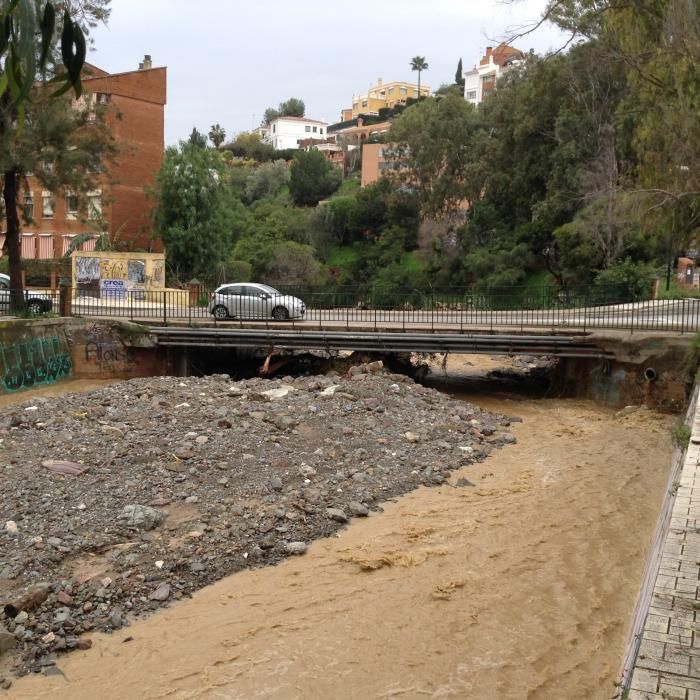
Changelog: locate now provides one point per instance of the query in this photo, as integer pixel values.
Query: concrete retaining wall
(647, 370)
(35, 353)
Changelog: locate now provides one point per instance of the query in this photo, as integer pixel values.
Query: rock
(357, 509)
(278, 393)
(48, 638)
(276, 484)
(306, 471)
(412, 437)
(161, 593)
(115, 621)
(22, 617)
(296, 548)
(7, 640)
(462, 482)
(11, 527)
(5, 684)
(141, 517)
(337, 514)
(176, 467)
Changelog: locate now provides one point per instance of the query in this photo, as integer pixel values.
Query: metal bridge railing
(391, 309)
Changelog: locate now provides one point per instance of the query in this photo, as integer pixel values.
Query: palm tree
(217, 134)
(420, 64)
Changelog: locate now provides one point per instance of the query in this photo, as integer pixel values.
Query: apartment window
(47, 167)
(71, 206)
(471, 95)
(102, 98)
(364, 103)
(94, 205)
(274, 128)
(307, 128)
(391, 91)
(320, 131)
(315, 130)
(47, 205)
(28, 206)
(403, 92)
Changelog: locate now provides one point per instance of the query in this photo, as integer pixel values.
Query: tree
(312, 178)
(270, 115)
(293, 107)
(266, 180)
(197, 138)
(217, 134)
(29, 34)
(196, 213)
(249, 145)
(418, 63)
(459, 77)
(434, 143)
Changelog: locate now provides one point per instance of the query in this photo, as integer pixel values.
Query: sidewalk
(668, 662)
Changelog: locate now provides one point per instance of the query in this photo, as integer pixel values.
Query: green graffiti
(29, 363)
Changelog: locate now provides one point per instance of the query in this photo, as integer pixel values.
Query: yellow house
(384, 95)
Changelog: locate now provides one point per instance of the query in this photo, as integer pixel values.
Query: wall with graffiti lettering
(41, 352)
(34, 362)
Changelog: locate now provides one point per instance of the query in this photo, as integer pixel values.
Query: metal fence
(380, 308)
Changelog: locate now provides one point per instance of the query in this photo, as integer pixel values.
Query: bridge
(273, 339)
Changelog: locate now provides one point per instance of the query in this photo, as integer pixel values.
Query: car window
(229, 291)
(4, 284)
(269, 290)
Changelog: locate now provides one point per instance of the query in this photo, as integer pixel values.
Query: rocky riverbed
(120, 501)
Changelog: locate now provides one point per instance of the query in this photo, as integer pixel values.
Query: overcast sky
(229, 60)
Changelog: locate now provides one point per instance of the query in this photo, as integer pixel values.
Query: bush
(626, 281)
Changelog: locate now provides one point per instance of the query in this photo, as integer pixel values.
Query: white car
(254, 301)
(36, 302)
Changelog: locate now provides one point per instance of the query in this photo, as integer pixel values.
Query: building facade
(120, 198)
(289, 132)
(480, 82)
(383, 95)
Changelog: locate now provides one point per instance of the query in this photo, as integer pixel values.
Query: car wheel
(34, 306)
(279, 313)
(220, 312)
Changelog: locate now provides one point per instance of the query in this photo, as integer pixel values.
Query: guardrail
(460, 309)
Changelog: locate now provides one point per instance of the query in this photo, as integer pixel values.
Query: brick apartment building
(137, 123)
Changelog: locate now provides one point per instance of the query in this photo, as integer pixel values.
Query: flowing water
(521, 586)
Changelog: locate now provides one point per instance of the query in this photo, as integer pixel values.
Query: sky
(228, 60)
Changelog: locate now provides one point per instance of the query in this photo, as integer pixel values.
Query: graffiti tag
(38, 361)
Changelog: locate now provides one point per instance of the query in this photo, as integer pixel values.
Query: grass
(681, 435)
(348, 187)
(410, 262)
(344, 256)
(538, 280)
(675, 290)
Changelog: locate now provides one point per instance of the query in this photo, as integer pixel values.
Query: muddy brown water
(521, 586)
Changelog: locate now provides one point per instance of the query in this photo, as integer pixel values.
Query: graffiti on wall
(106, 349)
(28, 363)
(87, 269)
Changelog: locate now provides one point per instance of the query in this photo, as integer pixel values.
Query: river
(521, 586)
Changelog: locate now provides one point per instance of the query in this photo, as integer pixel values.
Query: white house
(288, 132)
(481, 81)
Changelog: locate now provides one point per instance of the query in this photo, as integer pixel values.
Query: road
(682, 315)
